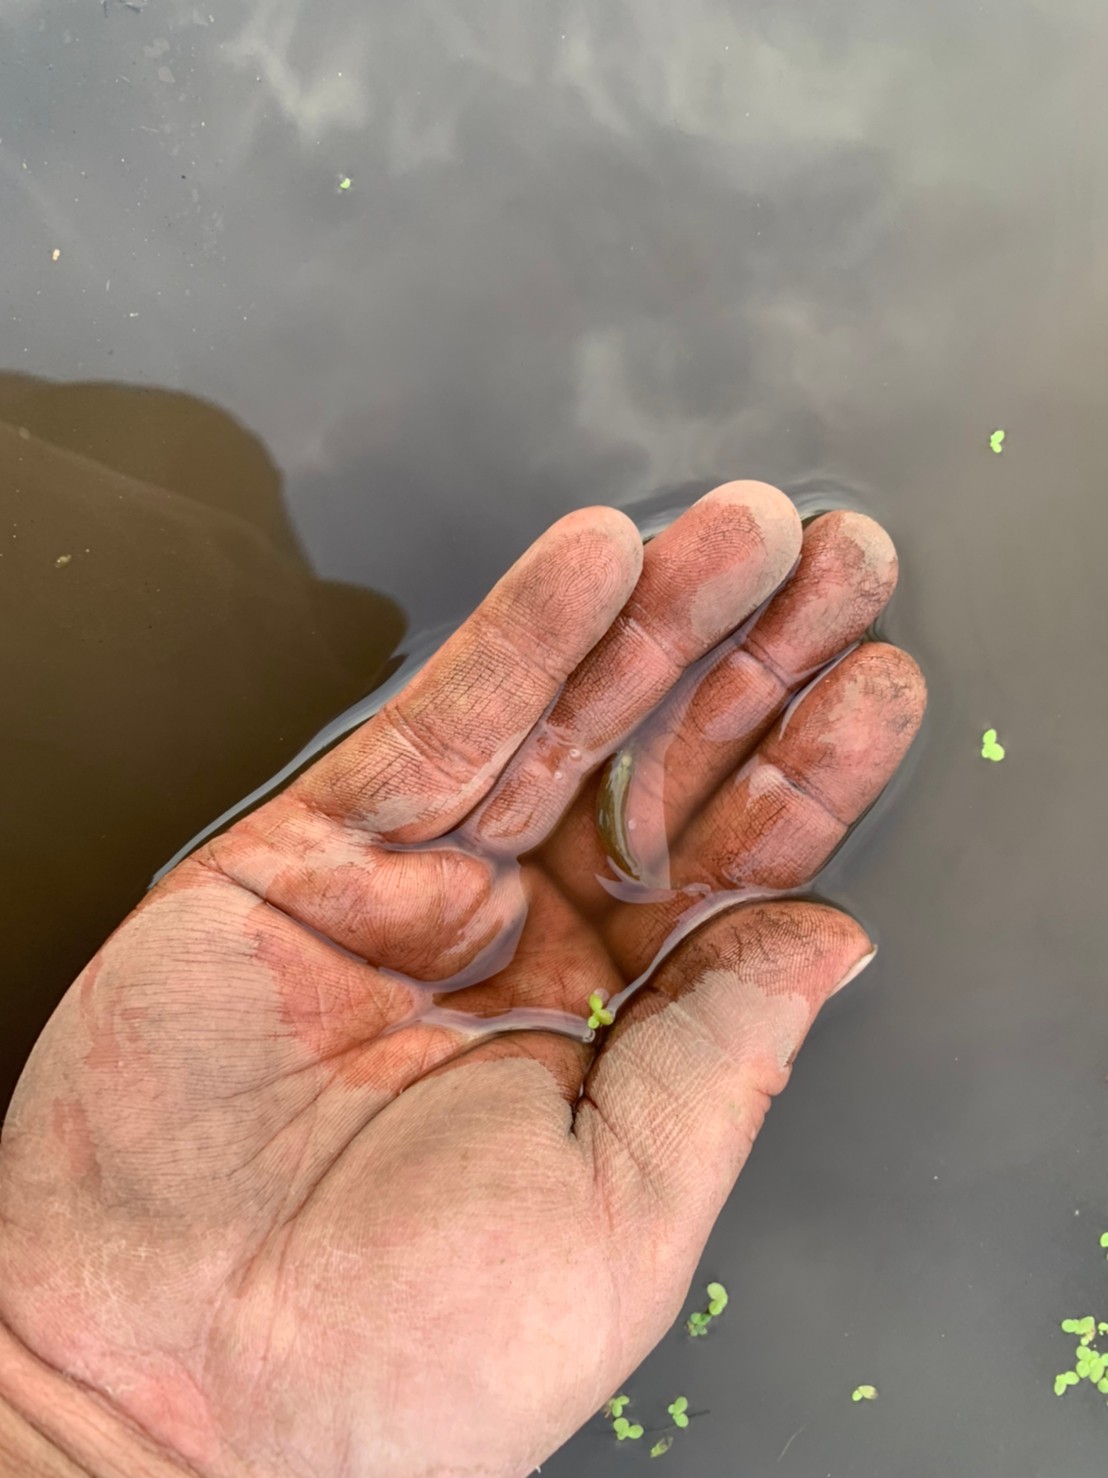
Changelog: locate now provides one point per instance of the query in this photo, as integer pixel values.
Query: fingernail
(855, 970)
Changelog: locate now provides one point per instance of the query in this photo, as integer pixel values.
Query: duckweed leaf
(996, 442)
(662, 1446)
(717, 1298)
(615, 1406)
(990, 749)
(864, 1393)
(599, 1015)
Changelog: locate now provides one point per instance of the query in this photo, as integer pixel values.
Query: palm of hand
(291, 1213)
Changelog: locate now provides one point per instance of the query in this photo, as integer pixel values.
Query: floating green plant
(1089, 1362)
(996, 442)
(625, 1429)
(990, 749)
(599, 1015)
(717, 1301)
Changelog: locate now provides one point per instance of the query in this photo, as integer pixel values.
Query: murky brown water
(594, 254)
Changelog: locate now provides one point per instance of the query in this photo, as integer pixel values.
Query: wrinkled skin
(261, 1233)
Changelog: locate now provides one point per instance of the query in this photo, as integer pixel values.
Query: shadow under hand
(164, 647)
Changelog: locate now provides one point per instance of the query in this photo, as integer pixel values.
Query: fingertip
(818, 949)
(875, 552)
(835, 945)
(774, 513)
(609, 525)
(779, 946)
(845, 576)
(843, 742)
(894, 676)
(576, 577)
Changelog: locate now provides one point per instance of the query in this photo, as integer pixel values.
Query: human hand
(278, 1209)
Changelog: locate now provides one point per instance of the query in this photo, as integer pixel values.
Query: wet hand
(318, 1168)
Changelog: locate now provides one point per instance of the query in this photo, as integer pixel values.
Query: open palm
(317, 1168)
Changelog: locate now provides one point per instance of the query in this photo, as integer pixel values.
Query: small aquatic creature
(611, 806)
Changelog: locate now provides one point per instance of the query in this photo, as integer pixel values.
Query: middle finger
(715, 716)
(660, 782)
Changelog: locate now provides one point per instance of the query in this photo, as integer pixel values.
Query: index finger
(419, 765)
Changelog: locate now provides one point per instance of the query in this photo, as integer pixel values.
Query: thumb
(674, 1102)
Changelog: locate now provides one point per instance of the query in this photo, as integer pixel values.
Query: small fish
(611, 805)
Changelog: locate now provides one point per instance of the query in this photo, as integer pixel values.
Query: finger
(674, 1102)
(420, 764)
(825, 764)
(715, 716)
(425, 913)
(777, 821)
(702, 577)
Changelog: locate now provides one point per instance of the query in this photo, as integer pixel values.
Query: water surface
(611, 254)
